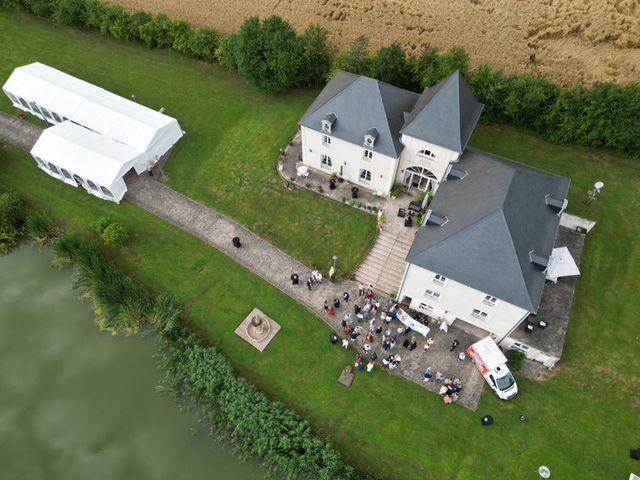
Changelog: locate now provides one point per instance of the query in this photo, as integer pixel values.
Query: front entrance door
(420, 179)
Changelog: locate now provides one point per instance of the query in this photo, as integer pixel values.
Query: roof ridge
(515, 254)
(467, 227)
(336, 95)
(384, 108)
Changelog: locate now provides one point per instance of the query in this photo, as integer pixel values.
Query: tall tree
(269, 56)
(356, 59)
(390, 66)
(317, 55)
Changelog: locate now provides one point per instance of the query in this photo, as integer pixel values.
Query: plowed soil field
(568, 40)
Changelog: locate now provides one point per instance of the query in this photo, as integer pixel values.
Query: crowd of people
(367, 317)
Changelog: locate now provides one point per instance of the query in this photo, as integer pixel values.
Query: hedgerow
(271, 57)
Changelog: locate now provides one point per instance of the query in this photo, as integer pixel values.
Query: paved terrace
(275, 266)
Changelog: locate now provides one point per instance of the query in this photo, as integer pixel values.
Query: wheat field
(568, 40)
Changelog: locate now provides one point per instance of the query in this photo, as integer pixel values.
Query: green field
(581, 422)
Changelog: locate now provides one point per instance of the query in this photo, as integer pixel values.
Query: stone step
(390, 261)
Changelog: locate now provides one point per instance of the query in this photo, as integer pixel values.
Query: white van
(492, 364)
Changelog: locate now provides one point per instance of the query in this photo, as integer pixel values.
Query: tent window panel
(106, 192)
(56, 117)
(23, 102)
(45, 112)
(14, 100)
(78, 179)
(54, 169)
(35, 108)
(92, 185)
(65, 173)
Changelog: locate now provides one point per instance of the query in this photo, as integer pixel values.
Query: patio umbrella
(561, 264)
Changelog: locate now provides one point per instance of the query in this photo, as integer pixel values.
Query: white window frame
(325, 162)
(326, 126)
(363, 178)
(426, 307)
(326, 140)
(367, 154)
(479, 314)
(424, 153)
(437, 296)
(440, 279)
(490, 300)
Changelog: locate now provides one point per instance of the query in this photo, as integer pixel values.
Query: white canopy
(87, 154)
(93, 107)
(561, 264)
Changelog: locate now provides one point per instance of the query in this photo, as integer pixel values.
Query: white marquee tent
(81, 157)
(56, 97)
(561, 264)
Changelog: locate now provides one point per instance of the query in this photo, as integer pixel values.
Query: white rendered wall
(351, 158)
(410, 157)
(458, 301)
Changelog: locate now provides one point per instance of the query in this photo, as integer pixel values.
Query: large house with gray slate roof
(482, 252)
(374, 135)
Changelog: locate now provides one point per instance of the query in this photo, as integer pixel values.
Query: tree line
(271, 57)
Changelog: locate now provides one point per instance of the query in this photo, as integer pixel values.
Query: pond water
(79, 404)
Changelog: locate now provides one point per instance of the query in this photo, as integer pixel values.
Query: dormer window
(328, 121)
(370, 137)
(426, 153)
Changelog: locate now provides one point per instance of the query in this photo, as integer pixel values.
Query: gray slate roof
(445, 114)
(361, 103)
(497, 215)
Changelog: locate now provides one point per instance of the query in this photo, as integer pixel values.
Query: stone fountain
(257, 329)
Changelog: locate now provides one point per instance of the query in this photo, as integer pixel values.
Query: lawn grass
(227, 159)
(581, 422)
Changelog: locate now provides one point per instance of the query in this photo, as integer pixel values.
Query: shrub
(202, 43)
(225, 53)
(390, 65)
(43, 8)
(40, 228)
(162, 32)
(317, 55)
(94, 10)
(431, 66)
(515, 359)
(69, 12)
(65, 249)
(397, 189)
(100, 224)
(115, 234)
(136, 21)
(11, 220)
(356, 59)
